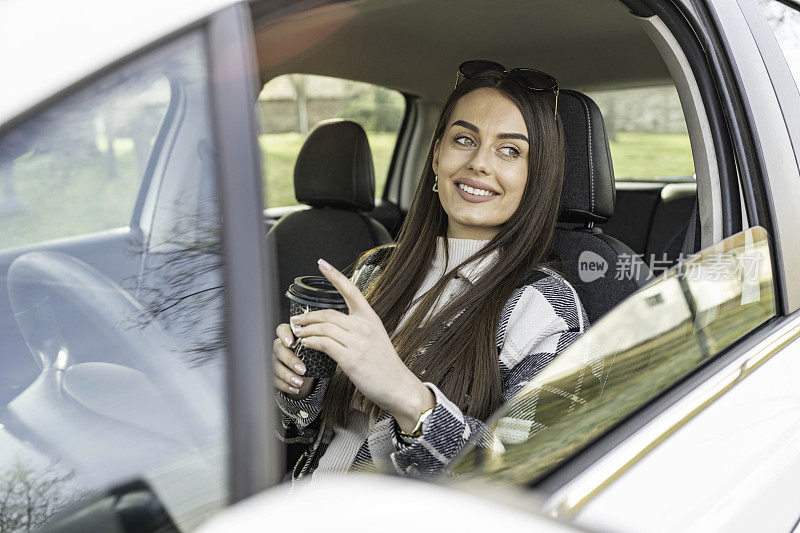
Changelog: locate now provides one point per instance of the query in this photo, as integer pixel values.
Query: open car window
(649, 342)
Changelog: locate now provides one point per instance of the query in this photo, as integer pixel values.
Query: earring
(435, 183)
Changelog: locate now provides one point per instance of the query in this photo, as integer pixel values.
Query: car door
(134, 301)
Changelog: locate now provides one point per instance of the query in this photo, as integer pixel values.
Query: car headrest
(589, 193)
(334, 168)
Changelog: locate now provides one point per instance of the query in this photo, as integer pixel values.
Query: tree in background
(299, 82)
(30, 495)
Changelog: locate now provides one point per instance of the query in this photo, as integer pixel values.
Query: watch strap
(417, 431)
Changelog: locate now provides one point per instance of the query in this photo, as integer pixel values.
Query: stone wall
(280, 116)
(651, 110)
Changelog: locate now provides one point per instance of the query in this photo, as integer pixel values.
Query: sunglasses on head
(531, 79)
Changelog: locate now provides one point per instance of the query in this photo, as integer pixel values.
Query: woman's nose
(481, 160)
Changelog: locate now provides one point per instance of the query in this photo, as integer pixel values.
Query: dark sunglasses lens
(477, 67)
(533, 79)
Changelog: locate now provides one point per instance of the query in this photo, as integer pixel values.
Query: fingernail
(294, 390)
(303, 341)
(296, 328)
(295, 319)
(300, 369)
(324, 265)
(297, 381)
(287, 341)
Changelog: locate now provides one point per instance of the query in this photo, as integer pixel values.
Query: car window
(289, 106)
(785, 23)
(112, 350)
(646, 344)
(647, 133)
(82, 172)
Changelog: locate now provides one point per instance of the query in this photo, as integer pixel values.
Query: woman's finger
(351, 294)
(286, 375)
(288, 357)
(336, 351)
(333, 316)
(284, 333)
(326, 329)
(282, 386)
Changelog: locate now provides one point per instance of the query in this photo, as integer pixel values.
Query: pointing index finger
(352, 295)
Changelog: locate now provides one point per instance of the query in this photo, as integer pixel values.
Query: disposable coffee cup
(312, 293)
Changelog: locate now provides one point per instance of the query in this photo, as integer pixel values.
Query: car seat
(335, 176)
(603, 270)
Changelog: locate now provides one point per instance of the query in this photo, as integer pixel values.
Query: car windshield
(645, 345)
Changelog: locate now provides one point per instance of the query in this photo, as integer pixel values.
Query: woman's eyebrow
(467, 125)
(476, 129)
(519, 136)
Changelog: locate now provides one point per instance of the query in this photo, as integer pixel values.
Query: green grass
(651, 155)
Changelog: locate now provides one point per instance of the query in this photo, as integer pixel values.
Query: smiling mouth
(474, 191)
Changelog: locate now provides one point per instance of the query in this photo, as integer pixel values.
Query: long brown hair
(463, 359)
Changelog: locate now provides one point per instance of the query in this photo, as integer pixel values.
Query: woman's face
(482, 164)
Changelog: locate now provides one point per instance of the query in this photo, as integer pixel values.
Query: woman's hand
(358, 342)
(287, 367)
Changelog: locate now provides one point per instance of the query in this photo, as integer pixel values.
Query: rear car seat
(669, 222)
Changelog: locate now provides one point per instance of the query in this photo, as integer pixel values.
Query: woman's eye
(463, 140)
(509, 151)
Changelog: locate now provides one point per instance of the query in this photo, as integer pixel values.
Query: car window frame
(787, 95)
(254, 452)
(758, 126)
(726, 110)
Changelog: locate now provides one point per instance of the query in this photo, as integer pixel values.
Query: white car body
(725, 457)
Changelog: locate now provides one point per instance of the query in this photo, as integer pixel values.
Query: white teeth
(471, 190)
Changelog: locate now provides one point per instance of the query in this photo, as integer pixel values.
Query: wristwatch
(417, 431)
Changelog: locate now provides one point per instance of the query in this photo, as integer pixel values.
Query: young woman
(473, 312)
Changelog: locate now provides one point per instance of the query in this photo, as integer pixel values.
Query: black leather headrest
(589, 192)
(334, 168)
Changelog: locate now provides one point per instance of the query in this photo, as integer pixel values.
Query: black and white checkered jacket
(540, 319)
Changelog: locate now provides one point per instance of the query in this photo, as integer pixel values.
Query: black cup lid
(315, 289)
